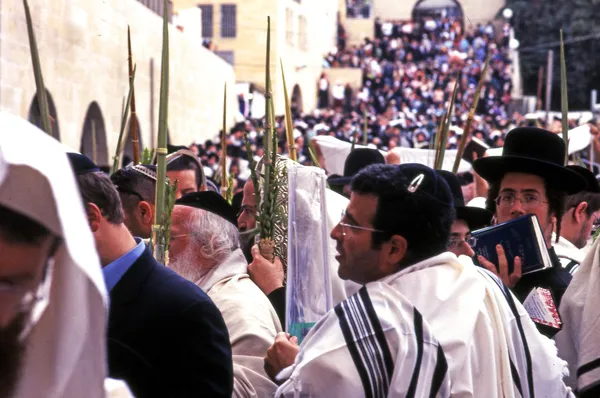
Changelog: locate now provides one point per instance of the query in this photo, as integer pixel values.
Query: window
(289, 27)
(228, 20)
(207, 20)
(158, 7)
(227, 56)
(302, 33)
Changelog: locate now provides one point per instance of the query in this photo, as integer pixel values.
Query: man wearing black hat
(582, 212)
(467, 218)
(393, 239)
(165, 336)
(205, 249)
(530, 178)
(357, 160)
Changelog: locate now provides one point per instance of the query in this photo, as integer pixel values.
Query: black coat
(166, 338)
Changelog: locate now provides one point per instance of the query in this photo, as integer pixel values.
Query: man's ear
(397, 249)
(146, 212)
(580, 212)
(94, 216)
(203, 188)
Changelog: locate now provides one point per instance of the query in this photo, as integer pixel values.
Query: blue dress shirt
(114, 271)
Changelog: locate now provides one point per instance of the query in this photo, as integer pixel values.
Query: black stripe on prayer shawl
(439, 373)
(513, 308)
(366, 342)
(418, 323)
(588, 367)
(515, 376)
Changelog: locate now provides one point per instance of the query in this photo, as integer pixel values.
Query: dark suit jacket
(166, 338)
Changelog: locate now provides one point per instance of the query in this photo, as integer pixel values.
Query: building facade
(83, 51)
(302, 32)
(476, 11)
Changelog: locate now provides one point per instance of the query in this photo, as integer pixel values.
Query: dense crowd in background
(409, 72)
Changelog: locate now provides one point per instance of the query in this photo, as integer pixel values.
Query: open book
(521, 237)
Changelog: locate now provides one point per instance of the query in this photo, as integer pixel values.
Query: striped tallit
(492, 347)
(373, 344)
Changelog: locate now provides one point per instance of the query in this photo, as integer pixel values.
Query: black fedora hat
(592, 184)
(209, 201)
(357, 160)
(475, 217)
(534, 151)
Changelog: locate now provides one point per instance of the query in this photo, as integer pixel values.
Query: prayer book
(521, 237)
(477, 146)
(541, 307)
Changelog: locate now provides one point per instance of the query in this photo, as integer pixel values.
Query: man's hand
(502, 271)
(268, 276)
(281, 354)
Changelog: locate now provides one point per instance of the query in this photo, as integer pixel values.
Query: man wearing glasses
(582, 212)
(530, 178)
(467, 218)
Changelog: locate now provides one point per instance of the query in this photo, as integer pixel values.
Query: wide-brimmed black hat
(209, 201)
(475, 217)
(588, 176)
(534, 151)
(357, 160)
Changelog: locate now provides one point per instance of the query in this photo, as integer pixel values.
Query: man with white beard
(205, 249)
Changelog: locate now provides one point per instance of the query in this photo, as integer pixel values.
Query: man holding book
(582, 212)
(529, 178)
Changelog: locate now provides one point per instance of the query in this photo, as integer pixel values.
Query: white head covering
(66, 349)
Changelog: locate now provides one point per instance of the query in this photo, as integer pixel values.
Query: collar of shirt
(114, 271)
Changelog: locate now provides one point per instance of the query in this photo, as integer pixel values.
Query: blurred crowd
(409, 72)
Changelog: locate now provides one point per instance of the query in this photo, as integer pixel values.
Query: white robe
(569, 255)
(251, 321)
(66, 348)
(485, 332)
(372, 344)
(579, 340)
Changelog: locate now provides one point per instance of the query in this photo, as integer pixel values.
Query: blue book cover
(521, 237)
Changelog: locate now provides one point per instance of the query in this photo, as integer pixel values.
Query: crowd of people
(409, 72)
(398, 299)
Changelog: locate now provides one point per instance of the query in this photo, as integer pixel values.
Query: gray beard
(186, 265)
(12, 351)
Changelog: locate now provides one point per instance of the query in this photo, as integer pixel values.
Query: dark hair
(18, 228)
(591, 198)
(419, 218)
(133, 187)
(98, 189)
(187, 163)
(556, 202)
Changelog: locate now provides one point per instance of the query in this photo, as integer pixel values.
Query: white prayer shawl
(251, 321)
(372, 344)
(569, 255)
(66, 348)
(579, 340)
(492, 346)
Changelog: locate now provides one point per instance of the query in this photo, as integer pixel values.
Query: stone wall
(83, 49)
(478, 11)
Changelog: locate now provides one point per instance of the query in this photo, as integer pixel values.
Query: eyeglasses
(347, 226)
(454, 243)
(529, 200)
(130, 192)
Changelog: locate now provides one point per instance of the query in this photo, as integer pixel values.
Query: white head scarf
(66, 348)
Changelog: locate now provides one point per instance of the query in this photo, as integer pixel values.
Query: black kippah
(81, 164)
(210, 201)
